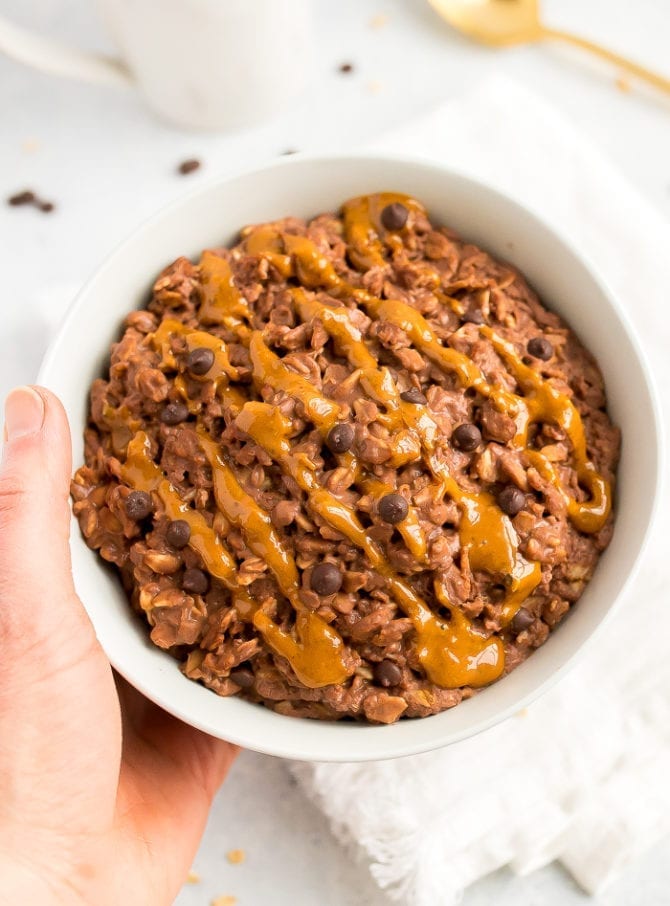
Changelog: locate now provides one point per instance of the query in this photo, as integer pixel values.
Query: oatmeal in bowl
(349, 467)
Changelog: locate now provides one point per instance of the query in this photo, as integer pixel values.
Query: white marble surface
(107, 165)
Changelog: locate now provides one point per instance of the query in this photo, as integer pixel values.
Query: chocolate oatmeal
(350, 467)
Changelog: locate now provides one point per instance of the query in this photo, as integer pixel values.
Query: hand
(103, 796)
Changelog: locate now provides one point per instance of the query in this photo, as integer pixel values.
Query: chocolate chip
(243, 677)
(139, 505)
(474, 316)
(340, 438)
(387, 673)
(174, 414)
(188, 166)
(346, 68)
(178, 533)
(195, 581)
(200, 360)
(326, 579)
(466, 437)
(413, 395)
(511, 500)
(393, 508)
(394, 216)
(26, 197)
(540, 348)
(521, 621)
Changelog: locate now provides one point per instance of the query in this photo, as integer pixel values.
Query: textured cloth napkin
(580, 776)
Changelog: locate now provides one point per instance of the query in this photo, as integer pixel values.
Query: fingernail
(24, 413)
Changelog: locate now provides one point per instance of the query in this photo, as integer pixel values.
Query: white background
(108, 164)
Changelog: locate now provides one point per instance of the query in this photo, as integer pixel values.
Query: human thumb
(38, 604)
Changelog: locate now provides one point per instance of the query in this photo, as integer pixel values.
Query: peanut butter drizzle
(472, 659)
(468, 373)
(242, 510)
(222, 302)
(266, 241)
(140, 472)
(465, 657)
(409, 528)
(542, 402)
(546, 403)
(234, 398)
(490, 539)
(269, 370)
(377, 381)
(317, 657)
(485, 531)
(221, 371)
(122, 426)
(363, 225)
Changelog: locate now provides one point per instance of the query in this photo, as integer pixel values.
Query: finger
(60, 739)
(37, 599)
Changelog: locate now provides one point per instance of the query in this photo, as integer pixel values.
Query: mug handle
(60, 59)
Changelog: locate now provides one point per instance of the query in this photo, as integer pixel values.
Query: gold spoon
(501, 23)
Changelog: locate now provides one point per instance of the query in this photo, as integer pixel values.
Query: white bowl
(306, 187)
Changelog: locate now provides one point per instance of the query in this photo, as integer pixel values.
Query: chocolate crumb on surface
(21, 198)
(189, 166)
(328, 492)
(346, 68)
(28, 197)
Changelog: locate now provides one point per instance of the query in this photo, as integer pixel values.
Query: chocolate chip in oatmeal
(413, 395)
(393, 508)
(200, 360)
(474, 316)
(195, 582)
(394, 216)
(521, 621)
(189, 166)
(178, 533)
(387, 673)
(244, 677)
(540, 348)
(326, 579)
(466, 437)
(511, 500)
(174, 414)
(139, 505)
(340, 438)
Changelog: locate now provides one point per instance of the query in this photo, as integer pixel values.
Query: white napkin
(581, 775)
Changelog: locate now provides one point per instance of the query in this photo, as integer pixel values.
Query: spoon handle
(635, 69)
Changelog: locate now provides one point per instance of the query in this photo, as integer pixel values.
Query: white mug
(203, 64)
